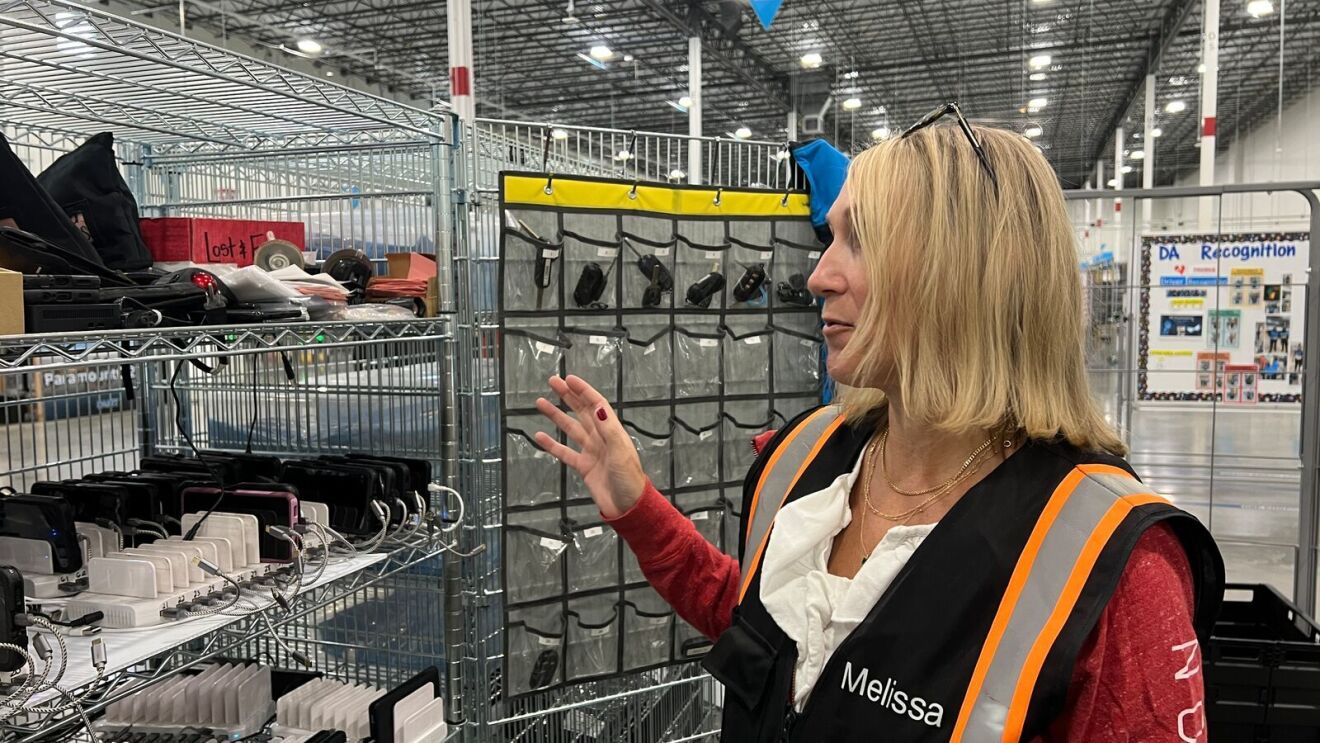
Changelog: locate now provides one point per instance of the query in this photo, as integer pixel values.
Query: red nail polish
(600, 414)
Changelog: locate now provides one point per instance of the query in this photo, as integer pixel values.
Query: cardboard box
(11, 303)
(200, 240)
(406, 265)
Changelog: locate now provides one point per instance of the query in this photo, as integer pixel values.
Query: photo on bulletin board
(1225, 329)
(1273, 292)
(1272, 336)
(1181, 326)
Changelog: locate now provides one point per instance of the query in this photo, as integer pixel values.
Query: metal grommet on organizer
(550, 184)
(719, 194)
(632, 192)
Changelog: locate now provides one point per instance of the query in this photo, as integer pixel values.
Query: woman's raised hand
(606, 457)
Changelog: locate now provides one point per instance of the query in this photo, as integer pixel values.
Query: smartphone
(47, 518)
(11, 603)
(92, 502)
(348, 489)
(272, 507)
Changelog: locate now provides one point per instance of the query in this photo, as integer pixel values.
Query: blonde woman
(957, 551)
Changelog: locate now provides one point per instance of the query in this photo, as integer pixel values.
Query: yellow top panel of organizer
(570, 192)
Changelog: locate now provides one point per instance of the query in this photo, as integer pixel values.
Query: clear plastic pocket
(531, 357)
(746, 362)
(797, 251)
(702, 249)
(595, 356)
(655, 443)
(535, 649)
(696, 361)
(593, 637)
(591, 238)
(797, 362)
(647, 242)
(593, 557)
(648, 358)
(533, 475)
(648, 630)
(696, 445)
(742, 424)
(531, 248)
(534, 551)
(706, 511)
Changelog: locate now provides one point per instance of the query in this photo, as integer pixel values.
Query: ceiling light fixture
(628, 58)
(1156, 132)
(1178, 80)
(1037, 103)
(879, 133)
(1037, 76)
(1127, 169)
(559, 134)
(811, 60)
(1032, 132)
(677, 175)
(685, 101)
(850, 75)
(742, 132)
(1040, 61)
(852, 104)
(310, 46)
(1258, 8)
(601, 53)
(1138, 155)
(1200, 69)
(1175, 106)
(329, 73)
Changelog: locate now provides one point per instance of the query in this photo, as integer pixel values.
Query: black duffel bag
(26, 205)
(87, 184)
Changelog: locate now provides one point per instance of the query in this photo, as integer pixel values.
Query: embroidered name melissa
(889, 696)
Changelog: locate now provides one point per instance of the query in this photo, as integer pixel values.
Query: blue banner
(766, 10)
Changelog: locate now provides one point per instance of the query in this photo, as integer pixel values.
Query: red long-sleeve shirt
(1138, 677)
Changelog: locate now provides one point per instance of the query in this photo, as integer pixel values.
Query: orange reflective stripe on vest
(781, 473)
(1083, 513)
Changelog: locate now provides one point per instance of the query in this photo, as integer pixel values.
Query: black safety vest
(976, 637)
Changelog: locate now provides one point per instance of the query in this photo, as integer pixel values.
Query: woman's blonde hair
(975, 304)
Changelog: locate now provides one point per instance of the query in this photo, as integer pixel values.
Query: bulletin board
(1222, 317)
(694, 375)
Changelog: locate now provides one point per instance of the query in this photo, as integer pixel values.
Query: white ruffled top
(817, 609)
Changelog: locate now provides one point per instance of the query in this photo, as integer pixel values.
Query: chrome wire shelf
(166, 655)
(118, 346)
(69, 67)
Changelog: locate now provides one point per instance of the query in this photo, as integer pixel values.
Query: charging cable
(212, 570)
(150, 527)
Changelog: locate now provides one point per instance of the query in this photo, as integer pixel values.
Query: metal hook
(719, 193)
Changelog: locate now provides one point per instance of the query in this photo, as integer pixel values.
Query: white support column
(1118, 173)
(1148, 152)
(459, 19)
(1100, 185)
(694, 112)
(1209, 106)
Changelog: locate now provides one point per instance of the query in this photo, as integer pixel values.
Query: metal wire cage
(204, 132)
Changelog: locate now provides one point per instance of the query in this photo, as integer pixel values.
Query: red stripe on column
(1118, 205)
(460, 81)
(1208, 127)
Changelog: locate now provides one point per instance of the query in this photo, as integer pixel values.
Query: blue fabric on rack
(825, 168)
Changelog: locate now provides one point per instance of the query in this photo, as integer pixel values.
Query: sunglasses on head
(952, 109)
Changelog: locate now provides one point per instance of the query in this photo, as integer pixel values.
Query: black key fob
(700, 293)
(750, 284)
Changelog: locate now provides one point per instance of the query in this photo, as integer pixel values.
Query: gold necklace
(943, 490)
(962, 472)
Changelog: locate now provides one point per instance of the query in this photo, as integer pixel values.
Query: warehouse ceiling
(897, 58)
